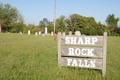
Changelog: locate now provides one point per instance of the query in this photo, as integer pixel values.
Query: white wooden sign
(92, 57)
(81, 51)
(83, 40)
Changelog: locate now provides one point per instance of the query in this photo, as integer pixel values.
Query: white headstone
(63, 33)
(45, 30)
(51, 33)
(83, 34)
(20, 32)
(39, 32)
(48, 34)
(36, 34)
(43, 34)
(70, 33)
(59, 33)
(77, 33)
(28, 32)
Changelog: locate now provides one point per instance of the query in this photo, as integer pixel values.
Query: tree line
(12, 21)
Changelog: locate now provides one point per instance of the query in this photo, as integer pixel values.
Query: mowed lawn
(32, 57)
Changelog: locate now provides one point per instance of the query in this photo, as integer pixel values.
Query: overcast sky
(35, 10)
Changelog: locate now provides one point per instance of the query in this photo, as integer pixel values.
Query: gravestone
(63, 33)
(51, 33)
(36, 34)
(83, 34)
(43, 34)
(70, 33)
(77, 33)
(59, 33)
(28, 32)
(48, 34)
(45, 30)
(20, 32)
(39, 32)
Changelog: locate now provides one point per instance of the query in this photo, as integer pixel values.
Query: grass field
(32, 57)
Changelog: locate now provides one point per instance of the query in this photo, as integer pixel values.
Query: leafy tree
(117, 31)
(50, 26)
(1, 15)
(111, 22)
(10, 17)
(89, 30)
(91, 20)
(100, 29)
(78, 22)
(74, 22)
(18, 25)
(32, 29)
(43, 23)
(1, 21)
(60, 24)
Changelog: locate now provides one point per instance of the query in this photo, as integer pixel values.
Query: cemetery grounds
(33, 57)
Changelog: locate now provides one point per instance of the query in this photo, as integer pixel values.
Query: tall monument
(45, 30)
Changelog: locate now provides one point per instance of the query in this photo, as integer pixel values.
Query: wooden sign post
(71, 56)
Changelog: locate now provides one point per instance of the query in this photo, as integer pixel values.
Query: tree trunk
(0, 27)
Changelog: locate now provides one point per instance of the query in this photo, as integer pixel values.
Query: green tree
(117, 30)
(89, 30)
(10, 17)
(60, 24)
(91, 20)
(1, 21)
(112, 22)
(78, 22)
(32, 29)
(18, 25)
(50, 26)
(1, 15)
(43, 23)
(100, 29)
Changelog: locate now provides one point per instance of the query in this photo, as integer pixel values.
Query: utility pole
(54, 19)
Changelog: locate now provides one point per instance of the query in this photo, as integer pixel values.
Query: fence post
(59, 50)
(104, 53)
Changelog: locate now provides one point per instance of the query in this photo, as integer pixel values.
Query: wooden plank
(81, 51)
(81, 62)
(104, 54)
(59, 50)
(82, 40)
